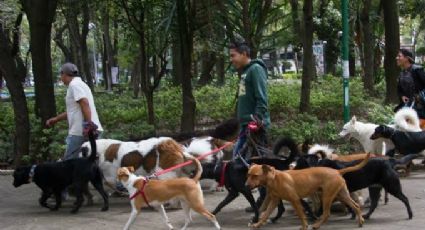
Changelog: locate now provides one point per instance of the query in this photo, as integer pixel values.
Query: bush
(124, 117)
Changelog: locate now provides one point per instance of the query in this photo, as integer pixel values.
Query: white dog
(405, 119)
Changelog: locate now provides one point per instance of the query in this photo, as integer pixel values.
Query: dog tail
(227, 130)
(403, 161)
(288, 143)
(198, 174)
(406, 119)
(355, 167)
(92, 140)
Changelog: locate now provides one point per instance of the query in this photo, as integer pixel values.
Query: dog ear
(131, 169)
(353, 120)
(268, 171)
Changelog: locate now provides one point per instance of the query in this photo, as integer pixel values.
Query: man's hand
(89, 126)
(52, 121)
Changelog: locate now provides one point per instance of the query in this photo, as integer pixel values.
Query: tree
(392, 44)
(186, 11)
(368, 45)
(78, 35)
(308, 65)
(13, 70)
(327, 25)
(40, 16)
(152, 48)
(250, 19)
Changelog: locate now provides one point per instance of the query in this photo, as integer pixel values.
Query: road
(20, 210)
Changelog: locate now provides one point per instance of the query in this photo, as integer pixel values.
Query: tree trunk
(107, 48)
(208, 60)
(83, 42)
(220, 65)
(352, 60)
(13, 71)
(308, 65)
(177, 63)
(135, 77)
(40, 15)
(186, 44)
(368, 47)
(392, 45)
(61, 44)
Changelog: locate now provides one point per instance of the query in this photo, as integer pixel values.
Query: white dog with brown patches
(148, 192)
(146, 156)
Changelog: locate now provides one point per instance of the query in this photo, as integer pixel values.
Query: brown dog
(145, 192)
(293, 185)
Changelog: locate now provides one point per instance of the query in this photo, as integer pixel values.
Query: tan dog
(293, 185)
(145, 192)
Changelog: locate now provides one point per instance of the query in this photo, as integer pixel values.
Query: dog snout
(374, 136)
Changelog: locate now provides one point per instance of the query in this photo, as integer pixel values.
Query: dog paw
(253, 220)
(254, 225)
(54, 208)
(104, 208)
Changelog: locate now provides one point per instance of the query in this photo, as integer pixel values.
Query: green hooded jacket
(252, 95)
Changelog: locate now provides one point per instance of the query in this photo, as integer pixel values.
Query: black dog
(377, 171)
(233, 178)
(405, 142)
(53, 178)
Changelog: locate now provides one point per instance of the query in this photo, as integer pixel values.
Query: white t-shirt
(77, 90)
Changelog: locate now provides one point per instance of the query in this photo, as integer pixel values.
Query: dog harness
(142, 192)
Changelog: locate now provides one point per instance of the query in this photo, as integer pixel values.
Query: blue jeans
(240, 143)
(73, 145)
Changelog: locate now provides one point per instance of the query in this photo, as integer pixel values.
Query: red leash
(189, 162)
(223, 171)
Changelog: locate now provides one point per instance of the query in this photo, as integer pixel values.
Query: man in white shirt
(80, 110)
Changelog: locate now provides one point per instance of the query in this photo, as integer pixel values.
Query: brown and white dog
(293, 185)
(143, 191)
(146, 156)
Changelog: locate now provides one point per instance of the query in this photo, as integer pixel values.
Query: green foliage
(289, 75)
(327, 96)
(124, 117)
(7, 129)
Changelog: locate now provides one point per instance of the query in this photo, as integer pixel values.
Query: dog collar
(32, 171)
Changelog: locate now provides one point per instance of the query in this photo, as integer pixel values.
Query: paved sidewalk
(19, 209)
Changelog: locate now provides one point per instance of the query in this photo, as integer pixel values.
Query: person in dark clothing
(252, 94)
(411, 83)
(252, 101)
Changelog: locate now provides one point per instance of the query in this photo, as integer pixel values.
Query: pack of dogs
(313, 176)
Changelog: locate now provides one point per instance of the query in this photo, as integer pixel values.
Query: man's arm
(259, 78)
(52, 121)
(85, 109)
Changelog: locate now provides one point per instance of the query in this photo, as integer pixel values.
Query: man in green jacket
(252, 95)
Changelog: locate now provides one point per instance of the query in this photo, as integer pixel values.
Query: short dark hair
(408, 54)
(241, 47)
